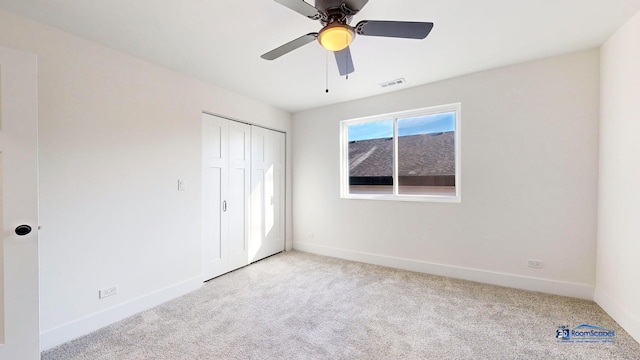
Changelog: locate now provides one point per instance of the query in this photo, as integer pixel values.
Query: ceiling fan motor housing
(324, 5)
(336, 33)
(339, 11)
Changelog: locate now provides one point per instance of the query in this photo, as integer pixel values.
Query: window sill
(409, 198)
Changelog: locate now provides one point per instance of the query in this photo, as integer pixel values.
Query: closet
(243, 194)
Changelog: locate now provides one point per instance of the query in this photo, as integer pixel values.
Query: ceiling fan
(336, 34)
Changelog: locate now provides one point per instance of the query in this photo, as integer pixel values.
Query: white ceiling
(220, 42)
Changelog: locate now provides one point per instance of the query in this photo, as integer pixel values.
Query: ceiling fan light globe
(335, 38)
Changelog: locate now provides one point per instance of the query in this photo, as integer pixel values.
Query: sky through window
(410, 126)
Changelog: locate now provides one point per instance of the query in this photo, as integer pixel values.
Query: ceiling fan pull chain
(326, 68)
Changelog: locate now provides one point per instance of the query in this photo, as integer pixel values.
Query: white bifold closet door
(267, 193)
(243, 201)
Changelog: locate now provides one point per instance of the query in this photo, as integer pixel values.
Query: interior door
(226, 181)
(267, 193)
(19, 296)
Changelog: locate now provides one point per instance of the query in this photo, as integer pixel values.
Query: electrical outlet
(107, 292)
(536, 264)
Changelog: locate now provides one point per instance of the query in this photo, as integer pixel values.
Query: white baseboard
(83, 326)
(630, 322)
(581, 291)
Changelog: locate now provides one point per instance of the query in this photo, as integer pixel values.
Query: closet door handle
(224, 205)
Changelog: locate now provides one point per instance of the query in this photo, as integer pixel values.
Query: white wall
(116, 133)
(618, 265)
(529, 181)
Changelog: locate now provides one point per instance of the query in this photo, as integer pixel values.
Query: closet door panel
(238, 202)
(215, 181)
(274, 216)
(257, 194)
(266, 197)
(279, 189)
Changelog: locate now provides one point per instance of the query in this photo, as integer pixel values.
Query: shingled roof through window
(420, 155)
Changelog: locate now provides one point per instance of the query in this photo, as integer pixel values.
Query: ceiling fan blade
(302, 7)
(290, 46)
(344, 61)
(397, 29)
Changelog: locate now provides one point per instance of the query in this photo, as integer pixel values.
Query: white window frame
(433, 110)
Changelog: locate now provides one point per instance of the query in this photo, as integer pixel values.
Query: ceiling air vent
(393, 83)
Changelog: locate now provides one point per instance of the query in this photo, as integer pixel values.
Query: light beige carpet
(301, 306)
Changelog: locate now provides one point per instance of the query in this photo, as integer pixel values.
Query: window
(410, 155)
